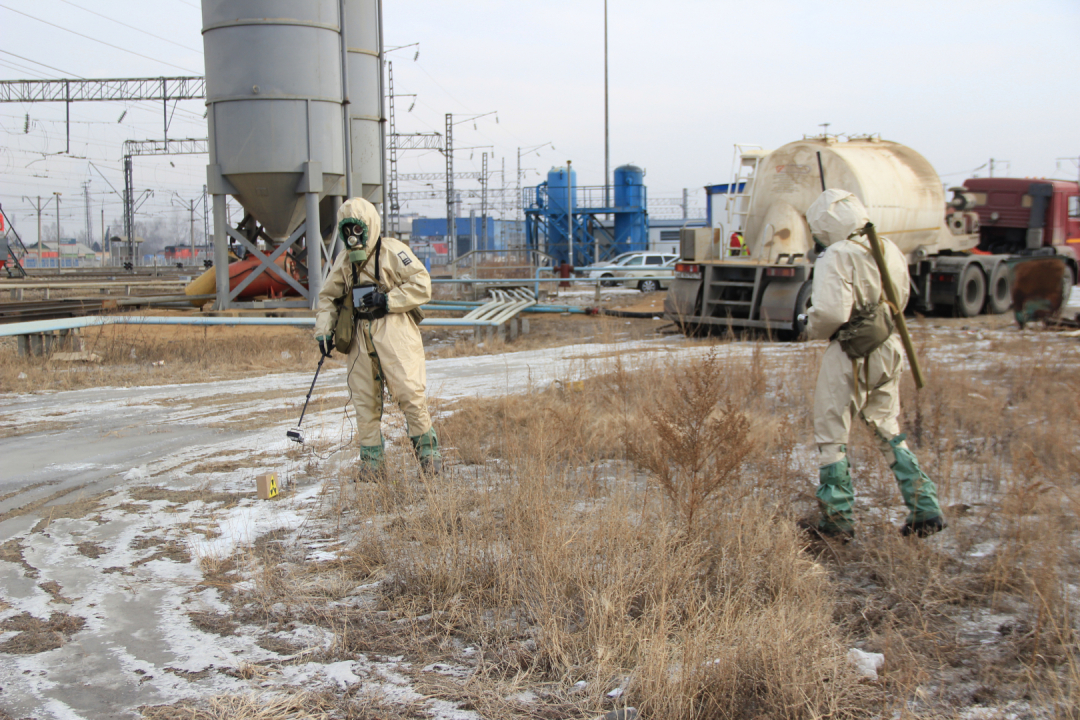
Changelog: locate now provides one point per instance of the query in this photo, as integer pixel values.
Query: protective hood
(835, 215)
(360, 209)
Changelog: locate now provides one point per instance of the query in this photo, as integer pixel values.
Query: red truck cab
(1021, 216)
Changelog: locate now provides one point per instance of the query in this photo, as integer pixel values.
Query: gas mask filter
(354, 234)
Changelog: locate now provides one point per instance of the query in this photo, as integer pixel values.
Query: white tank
(900, 189)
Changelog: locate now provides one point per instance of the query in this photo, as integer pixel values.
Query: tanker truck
(752, 266)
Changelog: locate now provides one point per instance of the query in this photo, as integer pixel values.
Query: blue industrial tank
(557, 193)
(629, 186)
(631, 228)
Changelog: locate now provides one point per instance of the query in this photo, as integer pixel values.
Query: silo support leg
(314, 249)
(221, 253)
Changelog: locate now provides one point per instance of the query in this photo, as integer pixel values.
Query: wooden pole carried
(894, 305)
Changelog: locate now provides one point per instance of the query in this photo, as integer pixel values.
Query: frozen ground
(111, 497)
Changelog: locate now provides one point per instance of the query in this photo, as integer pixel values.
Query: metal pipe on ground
(48, 326)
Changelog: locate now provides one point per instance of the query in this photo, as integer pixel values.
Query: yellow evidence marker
(266, 486)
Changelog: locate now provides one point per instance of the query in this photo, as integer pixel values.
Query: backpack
(868, 328)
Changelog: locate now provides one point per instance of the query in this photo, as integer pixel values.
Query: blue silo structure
(557, 178)
(631, 226)
(561, 184)
(605, 224)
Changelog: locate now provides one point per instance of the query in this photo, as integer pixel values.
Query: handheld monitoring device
(296, 434)
(360, 294)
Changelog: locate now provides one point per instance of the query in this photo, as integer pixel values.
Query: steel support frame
(451, 222)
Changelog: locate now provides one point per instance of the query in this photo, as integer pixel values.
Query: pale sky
(960, 81)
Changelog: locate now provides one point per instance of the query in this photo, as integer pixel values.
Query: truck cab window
(1074, 207)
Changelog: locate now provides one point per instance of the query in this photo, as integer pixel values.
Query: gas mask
(354, 233)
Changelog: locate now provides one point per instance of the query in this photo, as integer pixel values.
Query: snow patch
(866, 663)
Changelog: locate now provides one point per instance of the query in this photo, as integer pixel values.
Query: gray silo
(363, 32)
(277, 123)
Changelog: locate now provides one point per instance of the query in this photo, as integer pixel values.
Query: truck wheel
(999, 294)
(971, 292)
(802, 305)
(1067, 285)
(648, 285)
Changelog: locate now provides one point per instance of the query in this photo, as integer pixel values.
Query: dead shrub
(697, 443)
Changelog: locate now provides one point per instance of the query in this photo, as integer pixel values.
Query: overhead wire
(137, 29)
(97, 40)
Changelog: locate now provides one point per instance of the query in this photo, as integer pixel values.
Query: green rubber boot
(920, 493)
(427, 449)
(371, 462)
(836, 498)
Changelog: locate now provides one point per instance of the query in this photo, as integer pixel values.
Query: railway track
(11, 312)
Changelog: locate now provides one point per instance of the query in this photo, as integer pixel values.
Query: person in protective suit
(847, 302)
(369, 308)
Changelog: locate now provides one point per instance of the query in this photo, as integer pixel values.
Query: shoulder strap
(378, 252)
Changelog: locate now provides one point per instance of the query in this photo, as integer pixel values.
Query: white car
(630, 259)
(647, 277)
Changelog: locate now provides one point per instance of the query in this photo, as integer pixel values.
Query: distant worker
(860, 371)
(737, 245)
(369, 308)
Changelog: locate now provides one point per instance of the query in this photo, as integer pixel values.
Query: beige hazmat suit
(846, 278)
(384, 349)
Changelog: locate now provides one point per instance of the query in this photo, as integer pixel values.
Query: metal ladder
(744, 167)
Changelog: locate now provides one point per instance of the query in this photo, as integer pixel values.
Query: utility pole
(684, 204)
(569, 217)
(472, 228)
(520, 209)
(129, 211)
(607, 144)
(391, 180)
(89, 216)
(991, 167)
(451, 230)
(206, 222)
(483, 201)
(190, 207)
(37, 207)
(192, 232)
(57, 231)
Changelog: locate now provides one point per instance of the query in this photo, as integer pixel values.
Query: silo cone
(274, 105)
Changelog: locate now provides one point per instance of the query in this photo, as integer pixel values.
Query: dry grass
(154, 355)
(631, 540)
(635, 531)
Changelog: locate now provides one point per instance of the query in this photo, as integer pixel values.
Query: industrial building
(429, 238)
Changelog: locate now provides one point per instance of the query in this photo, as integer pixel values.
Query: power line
(88, 37)
(42, 64)
(144, 32)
